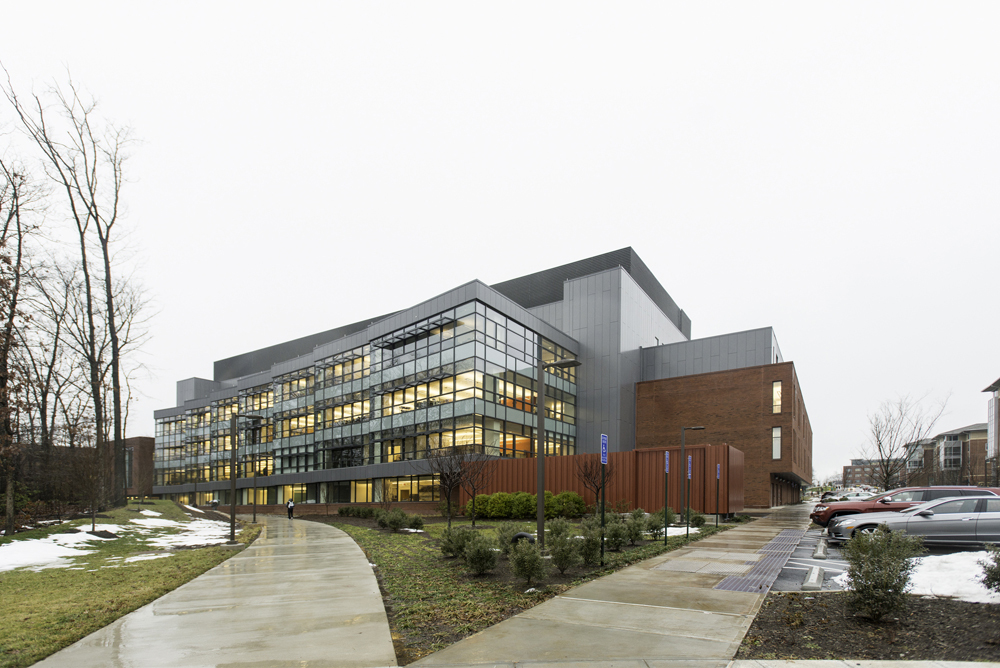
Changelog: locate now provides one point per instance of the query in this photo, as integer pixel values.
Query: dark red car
(893, 500)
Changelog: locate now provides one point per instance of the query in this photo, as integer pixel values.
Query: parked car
(893, 500)
(961, 520)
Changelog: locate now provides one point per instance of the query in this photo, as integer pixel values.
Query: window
(954, 507)
(776, 396)
(776, 443)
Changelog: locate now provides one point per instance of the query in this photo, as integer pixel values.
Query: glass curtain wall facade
(464, 378)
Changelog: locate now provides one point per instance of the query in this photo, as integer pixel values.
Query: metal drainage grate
(765, 572)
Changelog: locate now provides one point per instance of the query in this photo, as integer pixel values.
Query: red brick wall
(735, 407)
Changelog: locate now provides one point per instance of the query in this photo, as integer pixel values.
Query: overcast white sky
(828, 170)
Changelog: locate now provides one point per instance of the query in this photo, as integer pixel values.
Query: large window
(776, 443)
(296, 423)
(776, 396)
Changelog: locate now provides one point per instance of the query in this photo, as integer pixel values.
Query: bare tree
(15, 198)
(84, 158)
(477, 469)
(891, 429)
(446, 465)
(383, 493)
(588, 472)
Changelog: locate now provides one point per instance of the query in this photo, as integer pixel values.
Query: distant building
(955, 457)
(993, 432)
(866, 472)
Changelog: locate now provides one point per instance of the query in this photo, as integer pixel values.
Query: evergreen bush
(638, 514)
(454, 540)
(524, 505)
(697, 519)
(344, 511)
(558, 528)
(505, 536)
(501, 506)
(991, 569)
(654, 524)
(671, 516)
(616, 535)
(481, 554)
(571, 504)
(635, 526)
(482, 507)
(551, 505)
(879, 565)
(590, 545)
(395, 519)
(564, 552)
(526, 562)
(416, 522)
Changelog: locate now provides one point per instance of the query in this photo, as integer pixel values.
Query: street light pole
(540, 438)
(686, 511)
(234, 443)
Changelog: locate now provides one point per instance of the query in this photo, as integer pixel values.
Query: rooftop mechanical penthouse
(351, 413)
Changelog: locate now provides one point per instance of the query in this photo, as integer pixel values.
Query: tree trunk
(9, 524)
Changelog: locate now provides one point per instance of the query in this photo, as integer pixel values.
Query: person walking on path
(291, 507)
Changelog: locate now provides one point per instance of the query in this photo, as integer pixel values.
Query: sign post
(604, 463)
(687, 511)
(718, 474)
(666, 490)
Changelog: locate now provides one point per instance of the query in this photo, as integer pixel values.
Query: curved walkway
(302, 595)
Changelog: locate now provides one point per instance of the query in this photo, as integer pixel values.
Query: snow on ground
(58, 550)
(196, 532)
(193, 509)
(150, 513)
(147, 557)
(152, 522)
(679, 531)
(947, 576)
(54, 551)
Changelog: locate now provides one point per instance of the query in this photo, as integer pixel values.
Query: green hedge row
(521, 505)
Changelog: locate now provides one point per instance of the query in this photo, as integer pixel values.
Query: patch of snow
(530, 591)
(151, 513)
(40, 553)
(146, 557)
(946, 576)
(679, 531)
(372, 565)
(157, 523)
(193, 509)
(413, 530)
(196, 532)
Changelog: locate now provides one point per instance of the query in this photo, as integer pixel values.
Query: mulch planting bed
(821, 626)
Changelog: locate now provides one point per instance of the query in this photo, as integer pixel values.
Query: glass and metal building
(349, 415)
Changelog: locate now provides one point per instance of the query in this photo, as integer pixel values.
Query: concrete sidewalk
(303, 594)
(690, 607)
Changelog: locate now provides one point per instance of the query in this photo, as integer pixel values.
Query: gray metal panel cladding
(737, 350)
(546, 286)
(263, 359)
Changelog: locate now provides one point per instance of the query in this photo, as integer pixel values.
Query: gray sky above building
(829, 171)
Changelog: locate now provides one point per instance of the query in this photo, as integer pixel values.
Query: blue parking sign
(604, 448)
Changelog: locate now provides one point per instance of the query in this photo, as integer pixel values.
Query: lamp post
(540, 436)
(234, 437)
(686, 511)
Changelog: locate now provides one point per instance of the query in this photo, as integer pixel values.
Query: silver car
(965, 520)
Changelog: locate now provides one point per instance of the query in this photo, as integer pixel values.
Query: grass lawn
(432, 602)
(46, 610)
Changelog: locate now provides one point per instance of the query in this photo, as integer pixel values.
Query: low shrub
(571, 504)
(367, 512)
(482, 507)
(454, 540)
(344, 511)
(991, 569)
(501, 505)
(395, 519)
(558, 528)
(416, 522)
(616, 536)
(526, 562)
(524, 506)
(635, 526)
(590, 545)
(505, 536)
(481, 554)
(638, 514)
(552, 508)
(879, 565)
(697, 519)
(742, 519)
(654, 524)
(564, 552)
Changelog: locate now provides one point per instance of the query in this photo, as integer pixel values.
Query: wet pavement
(302, 595)
(690, 607)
